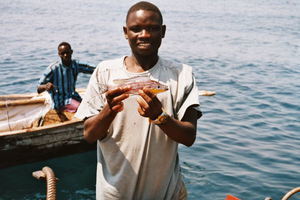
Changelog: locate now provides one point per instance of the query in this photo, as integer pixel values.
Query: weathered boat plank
(7, 103)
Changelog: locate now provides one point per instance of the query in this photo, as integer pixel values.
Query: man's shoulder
(77, 62)
(54, 65)
(175, 66)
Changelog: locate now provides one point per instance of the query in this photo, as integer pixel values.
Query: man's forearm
(41, 88)
(87, 69)
(183, 132)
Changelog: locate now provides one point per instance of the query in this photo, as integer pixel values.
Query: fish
(136, 83)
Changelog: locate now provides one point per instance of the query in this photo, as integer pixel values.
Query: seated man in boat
(59, 80)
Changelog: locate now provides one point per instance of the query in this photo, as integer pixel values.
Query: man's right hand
(48, 86)
(96, 127)
(115, 97)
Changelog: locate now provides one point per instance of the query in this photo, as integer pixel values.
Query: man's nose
(145, 33)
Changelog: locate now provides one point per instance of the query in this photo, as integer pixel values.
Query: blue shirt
(64, 80)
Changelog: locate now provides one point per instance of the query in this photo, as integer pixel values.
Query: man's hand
(183, 131)
(95, 127)
(49, 86)
(149, 104)
(45, 87)
(115, 98)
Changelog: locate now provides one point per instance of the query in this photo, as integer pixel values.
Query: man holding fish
(139, 108)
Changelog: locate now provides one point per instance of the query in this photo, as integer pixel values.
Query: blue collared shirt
(64, 80)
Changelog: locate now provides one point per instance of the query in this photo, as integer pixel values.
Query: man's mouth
(144, 44)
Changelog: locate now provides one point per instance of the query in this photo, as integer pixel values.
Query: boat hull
(42, 143)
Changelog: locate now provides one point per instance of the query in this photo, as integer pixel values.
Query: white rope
(290, 193)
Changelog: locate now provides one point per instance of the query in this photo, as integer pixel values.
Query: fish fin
(143, 77)
(120, 81)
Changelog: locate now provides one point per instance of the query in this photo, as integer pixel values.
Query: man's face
(65, 53)
(144, 32)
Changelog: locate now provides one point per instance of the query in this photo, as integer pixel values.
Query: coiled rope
(290, 193)
(48, 174)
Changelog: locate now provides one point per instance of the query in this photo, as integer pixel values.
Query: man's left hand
(149, 104)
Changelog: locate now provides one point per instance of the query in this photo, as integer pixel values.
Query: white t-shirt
(137, 160)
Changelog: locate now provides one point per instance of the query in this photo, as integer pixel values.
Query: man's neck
(140, 64)
(67, 64)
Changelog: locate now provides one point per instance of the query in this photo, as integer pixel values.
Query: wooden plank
(21, 102)
(17, 96)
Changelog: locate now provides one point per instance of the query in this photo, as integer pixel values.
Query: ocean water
(247, 51)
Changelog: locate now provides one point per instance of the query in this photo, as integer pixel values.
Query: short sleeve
(188, 90)
(92, 101)
(47, 76)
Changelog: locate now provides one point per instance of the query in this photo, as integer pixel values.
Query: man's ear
(71, 51)
(163, 31)
(125, 32)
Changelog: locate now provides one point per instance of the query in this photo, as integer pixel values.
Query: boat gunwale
(17, 96)
(7, 103)
(41, 128)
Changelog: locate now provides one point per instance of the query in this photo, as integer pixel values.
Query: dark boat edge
(42, 143)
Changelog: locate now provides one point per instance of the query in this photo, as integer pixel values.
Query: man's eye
(149, 29)
(135, 29)
(154, 28)
(65, 52)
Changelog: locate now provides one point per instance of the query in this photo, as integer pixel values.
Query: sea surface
(247, 51)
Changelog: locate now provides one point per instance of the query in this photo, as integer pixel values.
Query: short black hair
(144, 5)
(64, 44)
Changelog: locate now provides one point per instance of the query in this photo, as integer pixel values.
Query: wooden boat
(28, 143)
